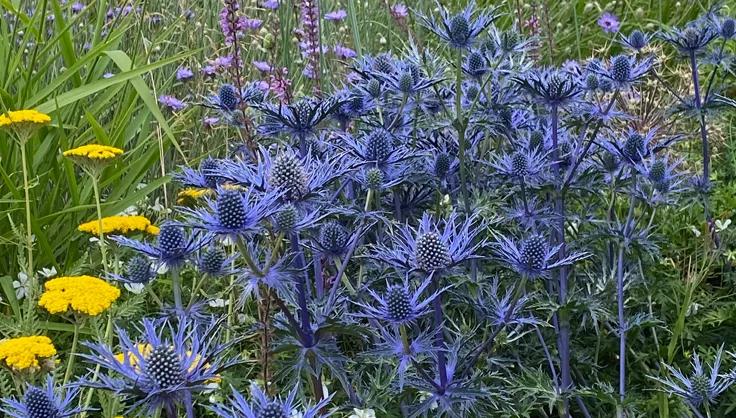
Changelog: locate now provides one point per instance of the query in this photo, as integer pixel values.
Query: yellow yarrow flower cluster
(82, 294)
(24, 118)
(24, 353)
(120, 224)
(190, 196)
(94, 152)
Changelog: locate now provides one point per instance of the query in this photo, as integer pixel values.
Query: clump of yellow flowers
(82, 294)
(190, 196)
(120, 224)
(25, 353)
(94, 152)
(24, 119)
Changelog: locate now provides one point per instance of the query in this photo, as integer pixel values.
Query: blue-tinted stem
(620, 299)
(701, 116)
(621, 330)
(301, 287)
(176, 284)
(439, 340)
(460, 126)
(564, 322)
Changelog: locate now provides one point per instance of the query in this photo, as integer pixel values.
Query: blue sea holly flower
(399, 304)
(637, 40)
(462, 29)
(522, 165)
(378, 148)
(214, 261)
(162, 370)
(551, 87)
(235, 211)
(297, 179)
(45, 401)
(298, 120)
(624, 70)
(433, 246)
(408, 79)
(533, 256)
(138, 270)
(206, 177)
(699, 387)
(172, 248)
(263, 406)
(692, 39)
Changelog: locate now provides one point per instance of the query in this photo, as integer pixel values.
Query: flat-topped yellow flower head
(24, 122)
(94, 153)
(120, 224)
(81, 294)
(26, 353)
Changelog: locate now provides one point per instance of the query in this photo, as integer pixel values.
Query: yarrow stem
(72, 353)
(103, 246)
(29, 231)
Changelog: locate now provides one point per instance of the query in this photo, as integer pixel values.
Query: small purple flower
(263, 66)
(210, 121)
(399, 11)
(609, 22)
(171, 102)
(77, 7)
(108, 75)
(271, 4)
(344, 52)
(184, 74)
(337, 15)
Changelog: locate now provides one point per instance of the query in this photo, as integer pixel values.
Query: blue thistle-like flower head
(699, 387)
(533, 256)
(637, 40)
(42, 402)
(551, 87)
(206, 177)
(165, 367)
(235, 211)
(459, 30)
(298, 120)
(228, 97)
(433, 246)
(139, 270)
(172, 248)
(624, 70)
(693, 38)
(399, 304)
(213, 261)
(476, 65)
(263, 406)
(333, 238)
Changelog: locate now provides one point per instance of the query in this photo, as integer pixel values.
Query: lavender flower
(172, 103)
(337, 15)
(609, 23)
(263, 66)
(184, 74)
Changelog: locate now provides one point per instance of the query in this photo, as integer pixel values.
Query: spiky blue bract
(173, 245)
(551, 87)
(434, 246)
(533, 256)
(462, 29)
(399, 304)
(699, 387)
(164, 367)
(263, 406)
(234, 211)
(47, 401)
